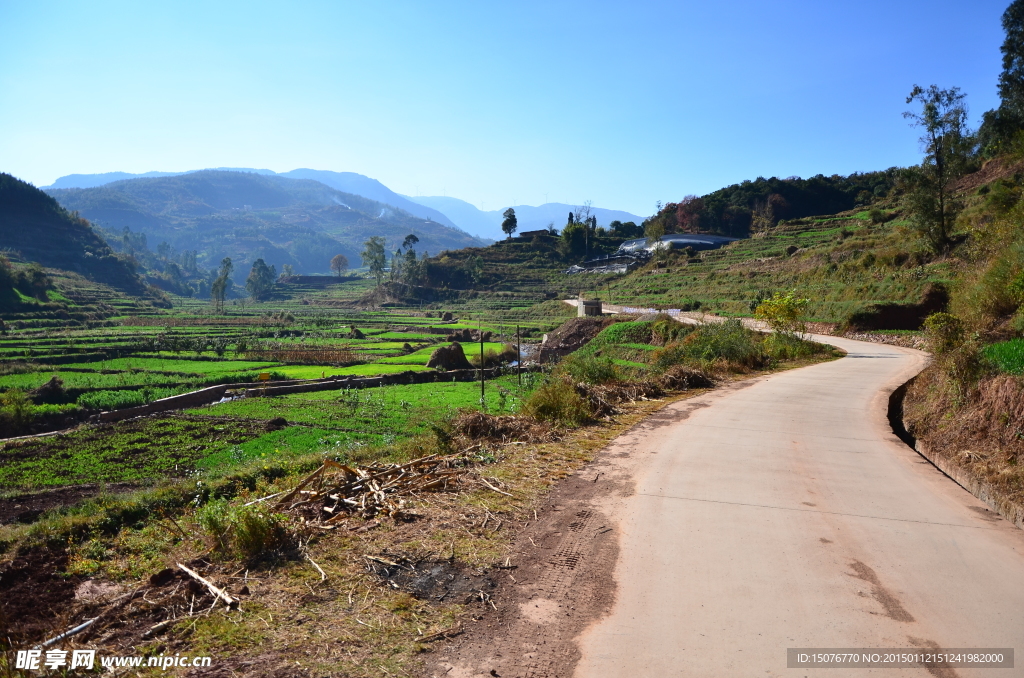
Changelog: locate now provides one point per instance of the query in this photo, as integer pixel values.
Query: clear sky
(623, 104)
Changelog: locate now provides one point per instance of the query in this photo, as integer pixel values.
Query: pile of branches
(680, 378)
(335, 491)
(626, 391)
(474, 426)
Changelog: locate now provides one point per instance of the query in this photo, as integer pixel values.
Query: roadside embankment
(968, 448)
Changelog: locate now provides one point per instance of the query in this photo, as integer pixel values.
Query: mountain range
(249, 215)
(443, 210)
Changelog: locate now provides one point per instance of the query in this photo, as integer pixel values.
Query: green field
(220, 436)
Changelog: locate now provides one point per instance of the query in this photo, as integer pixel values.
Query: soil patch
(26, 508)
(573, 334)
(36, 599)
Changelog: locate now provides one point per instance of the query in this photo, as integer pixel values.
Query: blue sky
(623, 104)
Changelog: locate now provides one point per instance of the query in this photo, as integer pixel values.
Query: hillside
(38, 229)
(843, 263)
(219, 214)
(753, 206)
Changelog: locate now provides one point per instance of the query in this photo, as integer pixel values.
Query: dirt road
(788, 515)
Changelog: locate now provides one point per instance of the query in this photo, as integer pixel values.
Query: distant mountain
(347, 182)
(488, 224)
(357, 184)
(36, 227)
(254, 215)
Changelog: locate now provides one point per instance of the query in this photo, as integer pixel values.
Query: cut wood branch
(446, 633)
(217, 592)
(492, 487)
(323, 575)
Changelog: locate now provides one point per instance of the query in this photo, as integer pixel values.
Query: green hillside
(35, 228)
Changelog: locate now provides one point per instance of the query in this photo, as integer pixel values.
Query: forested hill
(247, 216)
(35, 227)
(752, 206)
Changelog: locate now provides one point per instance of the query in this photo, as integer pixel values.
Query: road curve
(787, 514)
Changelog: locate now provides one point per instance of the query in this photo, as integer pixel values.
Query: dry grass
(984, 436)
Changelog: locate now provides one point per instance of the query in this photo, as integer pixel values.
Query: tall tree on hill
(260, 283)
(375, 258)
(219, 288)
(510, 224)
(1001, 127)
(339, 264)
(949, 147)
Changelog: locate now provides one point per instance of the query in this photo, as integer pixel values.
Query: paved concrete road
(787, 514)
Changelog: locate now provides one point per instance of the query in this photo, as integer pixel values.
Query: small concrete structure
(588, 307)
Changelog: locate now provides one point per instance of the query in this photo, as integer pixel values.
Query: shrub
(783, 312)
(630, 332)
(728, 341)
(589, 369)
(785, 346)
(945, 332)
(558, 402)
(244, 531)
(16, 406)
(665, 330)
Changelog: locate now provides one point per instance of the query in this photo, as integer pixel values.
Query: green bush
(665, 330)
(589, 369)
(243, 531)
(728, 341)
(784, 346)
(629, 332)
(557, 401)
(945, 332)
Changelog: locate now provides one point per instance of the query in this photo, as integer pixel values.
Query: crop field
(55, 376)
(223, 435)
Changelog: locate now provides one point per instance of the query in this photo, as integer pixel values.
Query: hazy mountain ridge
(346, 182)
(447, 211)
(246, 216)
(487, 224)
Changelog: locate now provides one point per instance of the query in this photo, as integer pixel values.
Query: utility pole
(480, 330)
(519, 357)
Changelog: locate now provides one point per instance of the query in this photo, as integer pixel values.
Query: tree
(574, 240)
(219, 288)
(374, 257)
(1001, 127)
(260, 283)
(948, 146)
(410, 241)
(510, 224)
(339, 264)
(654, 229)
(287, 271)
